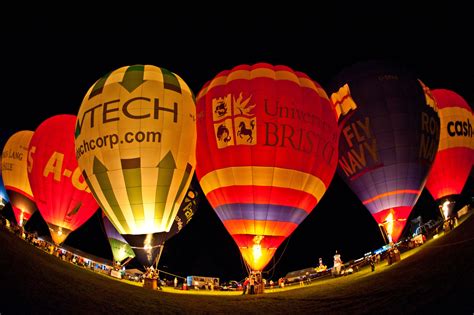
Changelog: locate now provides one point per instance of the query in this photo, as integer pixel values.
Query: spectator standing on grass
(337, 264)
(245, 285)
(252, 284)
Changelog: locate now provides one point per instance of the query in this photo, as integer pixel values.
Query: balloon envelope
(267, 151)
(455, 156)
(63, 198)
(15, 175)
(135, 142)
(388, 144)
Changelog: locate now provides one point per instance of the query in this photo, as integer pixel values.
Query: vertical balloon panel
(15, 175)
(62, 195)
(267, 150)
(135, 142)
(388, 144)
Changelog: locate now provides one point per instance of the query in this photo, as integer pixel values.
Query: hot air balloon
(455, 156)
(61, 193)
(15, 175)
(389, 142)
(136, 142)
(121, 250)
(267, 151)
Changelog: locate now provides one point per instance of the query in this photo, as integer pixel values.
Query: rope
(284, 249)
(171, 274)
(245, 265)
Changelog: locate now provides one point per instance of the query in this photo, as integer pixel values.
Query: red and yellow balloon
(63, 197)
(267, 151)
(455, 156)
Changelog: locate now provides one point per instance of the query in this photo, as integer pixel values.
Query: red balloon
(267, 151)
(61, 193)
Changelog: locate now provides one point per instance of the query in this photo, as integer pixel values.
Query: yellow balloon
(15, 175)
(135, 142)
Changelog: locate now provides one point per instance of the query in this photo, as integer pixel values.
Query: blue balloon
(388, 143)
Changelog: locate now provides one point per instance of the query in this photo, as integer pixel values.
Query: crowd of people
(61, 253)
(254, 284)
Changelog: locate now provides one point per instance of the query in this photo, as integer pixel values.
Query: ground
(435, 277)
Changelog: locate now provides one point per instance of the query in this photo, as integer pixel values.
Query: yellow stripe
(184, 86)
(454, 114)
(116, 76)
(305, 82)
(263, 176)
(202, 92)
(152, 73)
(288, 76)
(264, 73)
(216, 82)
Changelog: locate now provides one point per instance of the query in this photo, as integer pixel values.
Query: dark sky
(48, 66)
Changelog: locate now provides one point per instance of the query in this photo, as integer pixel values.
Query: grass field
(437, 277)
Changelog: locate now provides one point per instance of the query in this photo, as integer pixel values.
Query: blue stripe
(387, 202)
(265, 212)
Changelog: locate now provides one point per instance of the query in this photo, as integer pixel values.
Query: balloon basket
(150, 284)
(393, 256)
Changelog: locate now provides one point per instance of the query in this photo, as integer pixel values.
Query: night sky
(49, 66)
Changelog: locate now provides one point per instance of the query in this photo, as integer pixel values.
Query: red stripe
(366, 170)
(390, 193)
(246, 240)
(17, 212)
(400, 215)
(449, 99)
(339, 102)
(7, 187)
(262, 195)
